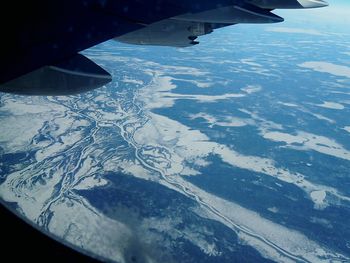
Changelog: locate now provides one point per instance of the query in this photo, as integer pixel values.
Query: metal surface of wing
(184, 29)
(54, 32)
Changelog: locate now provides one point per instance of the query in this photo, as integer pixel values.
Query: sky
(336, 16)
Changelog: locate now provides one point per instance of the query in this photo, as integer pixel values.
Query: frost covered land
(192, 155)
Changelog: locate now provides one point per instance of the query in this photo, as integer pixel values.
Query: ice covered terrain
(192, 155)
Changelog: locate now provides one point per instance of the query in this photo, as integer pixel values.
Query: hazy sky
(335, 17)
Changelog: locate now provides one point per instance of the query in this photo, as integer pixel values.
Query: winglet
(312, 3)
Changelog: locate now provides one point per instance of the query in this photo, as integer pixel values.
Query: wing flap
(244, 13)
(168, 32)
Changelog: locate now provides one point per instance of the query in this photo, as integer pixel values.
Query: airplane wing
(39, 50)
